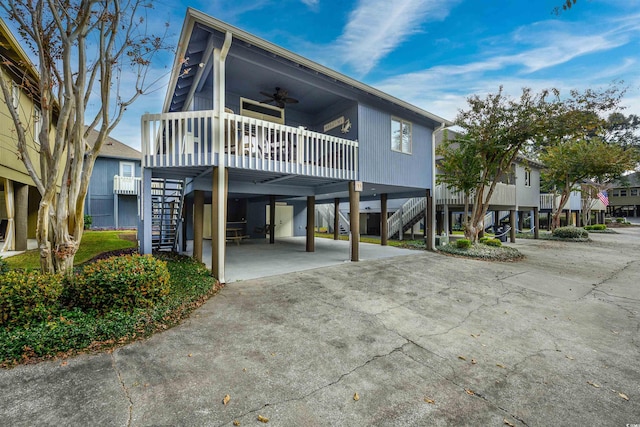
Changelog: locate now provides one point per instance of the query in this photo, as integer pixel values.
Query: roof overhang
(196, 20)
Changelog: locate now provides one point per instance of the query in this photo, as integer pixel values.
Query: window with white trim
(527, 178)
(400, 135)
(127, 169)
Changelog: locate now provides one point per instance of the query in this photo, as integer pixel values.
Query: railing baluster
(188, 139)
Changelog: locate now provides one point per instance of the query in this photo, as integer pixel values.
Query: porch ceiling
(247, 183)
(250, 70)
(254, 65)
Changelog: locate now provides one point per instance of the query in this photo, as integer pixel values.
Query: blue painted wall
(100, 199)
(374, 136)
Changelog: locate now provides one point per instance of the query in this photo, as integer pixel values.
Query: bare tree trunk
(564, 197)
(42, 235)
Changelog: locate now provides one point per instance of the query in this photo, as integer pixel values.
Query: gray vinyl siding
(379, 164)
(127, 211)
(100, 198)
(527, 197)
(203, 101)
(100, 207)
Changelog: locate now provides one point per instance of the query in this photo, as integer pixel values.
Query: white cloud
(377, 27)
(518, 62)
(311, 3)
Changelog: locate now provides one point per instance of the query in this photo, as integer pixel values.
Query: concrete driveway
(424, 339)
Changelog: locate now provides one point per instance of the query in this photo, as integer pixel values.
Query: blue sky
(435, 53)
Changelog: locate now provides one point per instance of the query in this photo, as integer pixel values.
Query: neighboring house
(515, 199)
(112, 197)
(624, 197)
(573, 212)
(19, 198)
(261, 136)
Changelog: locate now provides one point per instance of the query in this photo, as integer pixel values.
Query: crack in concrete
(124, 387)
(340, 378)
(611, 276)
(453, 382)
(515, 417)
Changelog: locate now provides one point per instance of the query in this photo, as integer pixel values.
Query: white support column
(220, 176)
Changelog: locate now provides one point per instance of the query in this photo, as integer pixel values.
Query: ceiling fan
(280, 97)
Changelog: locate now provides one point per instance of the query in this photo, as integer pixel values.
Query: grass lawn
(408, 243)
(93, 243)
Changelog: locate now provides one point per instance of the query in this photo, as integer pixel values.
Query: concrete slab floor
(255, 258)
(424, 339)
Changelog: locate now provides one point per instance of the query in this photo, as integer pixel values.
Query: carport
(256, 258)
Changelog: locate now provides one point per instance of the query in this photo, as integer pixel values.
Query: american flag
(604, 198)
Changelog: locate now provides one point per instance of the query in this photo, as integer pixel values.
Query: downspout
(432, 235)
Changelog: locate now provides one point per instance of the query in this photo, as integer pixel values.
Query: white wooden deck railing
(575, 201)
(409, 210)
(126, 184)
(546, 201)
(503, 194)
(189, 139)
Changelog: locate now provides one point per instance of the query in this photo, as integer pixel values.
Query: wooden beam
(429, 229)
(384, 229)
(311, 223)
(272, 219)
(336, 218)
(512, 223)
(354, 220)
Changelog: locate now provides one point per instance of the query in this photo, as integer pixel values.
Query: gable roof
(16, 62)
(114, 148)
(200, 30)
(631, 180)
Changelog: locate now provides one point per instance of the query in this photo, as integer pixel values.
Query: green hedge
(29, 297)
(493, 242)
(463, 243)
(597, 227)
(74, 329)
(4, 267)
(570, 233)
(121, 282)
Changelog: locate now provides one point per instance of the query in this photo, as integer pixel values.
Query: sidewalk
(424, 339)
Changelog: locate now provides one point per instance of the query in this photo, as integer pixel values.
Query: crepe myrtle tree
(581, 146)
(495, 130)
(82, 50)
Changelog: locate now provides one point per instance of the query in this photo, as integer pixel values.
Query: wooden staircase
(411, 212)
(167, 199)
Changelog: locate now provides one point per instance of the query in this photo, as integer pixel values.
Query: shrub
(4, 267)
(598, 227)
(88, 221)
(493, 242)
(620, 220)
(463, 243)
(570, 233)
(121, 282)
(29, 297)
(484, 239)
